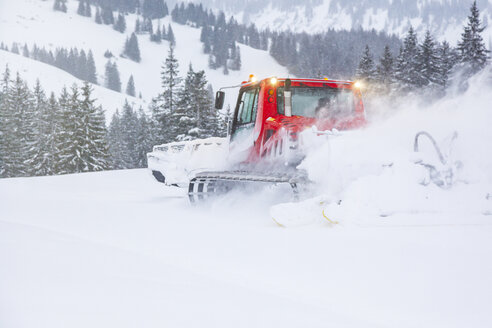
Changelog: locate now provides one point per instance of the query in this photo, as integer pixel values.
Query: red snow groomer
(269, 134)
(266, 141)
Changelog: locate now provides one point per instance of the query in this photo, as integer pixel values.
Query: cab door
(243, 137)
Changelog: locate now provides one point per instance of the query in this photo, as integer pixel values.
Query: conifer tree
(88, 11)
(236, 60)
(130, 87)
(120, 24)
(15, 48)
(81, 66)
(63, 138)
(98, 17)
(81, 8)
(473, 53)
(170, 35)
(129, 125)
(113, 81)
(407, 71)
(132, 49)
(182, 119)
(145, 139)
(385, 71)
(107, 15)
(19, 138)
(428, 62)
(60, 5)
(45, 111)
(6, 123)
(115, 142)
(25, 51)
(447, 59)
(91, 74)
(366, 70)
(94, 154)
(170, 80)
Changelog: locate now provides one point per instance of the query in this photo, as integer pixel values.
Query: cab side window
(248, 107)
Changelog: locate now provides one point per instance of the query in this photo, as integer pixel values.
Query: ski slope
(119, 249)
(34, 22)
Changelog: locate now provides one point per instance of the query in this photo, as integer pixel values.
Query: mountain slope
(35, 22)
(444, 18)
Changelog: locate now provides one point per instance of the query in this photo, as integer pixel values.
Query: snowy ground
(118, 249)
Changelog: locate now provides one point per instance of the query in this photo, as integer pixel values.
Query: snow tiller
(266, 139)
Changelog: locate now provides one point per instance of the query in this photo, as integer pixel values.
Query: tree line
(428, 66)
(80, 65)
(48, 135)
(331, 53)
(77, 62)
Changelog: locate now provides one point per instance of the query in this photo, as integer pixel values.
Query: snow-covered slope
(53, 79)
(35, 22)
(444, 18)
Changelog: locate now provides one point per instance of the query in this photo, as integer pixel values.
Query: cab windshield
(319, 103)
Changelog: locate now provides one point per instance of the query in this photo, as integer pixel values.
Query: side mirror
(219, 99)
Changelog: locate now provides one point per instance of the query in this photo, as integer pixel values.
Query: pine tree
(170, 80)
(130, 87)
(473, 53)
(88, 11)
(132, 49)
(366, 70)
(43, 160)
(93, 151)
(63, 142)
(107, 15)
(182, 120)
(407, 71)
(15, 48)
(91, 68)
(98, 17)
(18, 138)
(145, 139)
(428, 62)
(129, 125)
(236, 61)
(115, 141)
(120, 24)
(385, 71)
(81, 8)
(6, 124)
(206, 117)
(25, 51)
(60, 5)
(447, 59)
(170, 35)
(87, 149)
(81, 66)
(113, 81)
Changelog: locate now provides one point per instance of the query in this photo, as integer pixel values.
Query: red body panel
(271, 128)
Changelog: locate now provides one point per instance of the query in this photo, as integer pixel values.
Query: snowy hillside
(35, 22)
(444, 18)
(54, 79)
